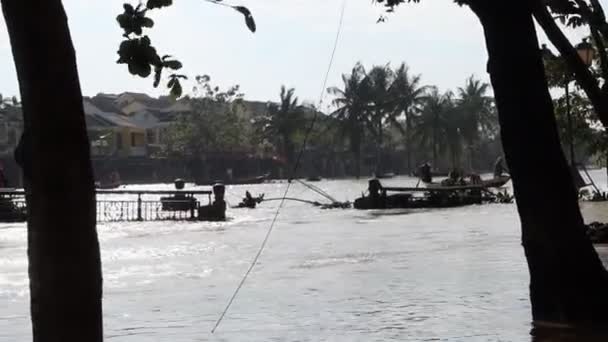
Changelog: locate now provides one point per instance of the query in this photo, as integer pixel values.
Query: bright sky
(292, 46)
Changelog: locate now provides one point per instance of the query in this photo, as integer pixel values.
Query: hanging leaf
(158, 70)
(175, 65)
(171, 82)
(158, 3)
(248, 17)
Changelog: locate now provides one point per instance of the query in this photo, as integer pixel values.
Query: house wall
(131, 142)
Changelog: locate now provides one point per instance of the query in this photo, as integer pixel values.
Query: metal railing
(121, 205)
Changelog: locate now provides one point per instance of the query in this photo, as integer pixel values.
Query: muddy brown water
(326, 275)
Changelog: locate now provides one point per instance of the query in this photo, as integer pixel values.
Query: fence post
(139, 218)
(193, 206)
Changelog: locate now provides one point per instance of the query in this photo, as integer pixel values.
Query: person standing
(499, 168)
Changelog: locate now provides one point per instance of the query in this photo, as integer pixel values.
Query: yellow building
(113, 134)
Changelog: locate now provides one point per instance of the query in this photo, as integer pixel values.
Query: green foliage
(138, 52)
(134, 20)
(568, 12)
(352, 104)
(139, 55)
(374, 103)
(476, 111)
(283, 123)
(212, 125)
(8, 102)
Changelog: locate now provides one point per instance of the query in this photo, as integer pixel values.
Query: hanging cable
(295, 169)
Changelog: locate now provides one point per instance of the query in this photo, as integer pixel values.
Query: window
(151, 136)
(137, 139)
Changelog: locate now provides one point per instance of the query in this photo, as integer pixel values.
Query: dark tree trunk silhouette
(63, 250)
(567, 279)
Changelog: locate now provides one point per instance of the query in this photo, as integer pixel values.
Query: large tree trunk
(567, 280)
(63, 250)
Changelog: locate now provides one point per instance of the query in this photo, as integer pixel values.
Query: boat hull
(430, 201)
(495, 182)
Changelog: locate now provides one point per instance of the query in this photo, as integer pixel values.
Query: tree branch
(581, 73)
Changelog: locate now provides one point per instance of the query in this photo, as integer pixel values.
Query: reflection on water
(327, 275)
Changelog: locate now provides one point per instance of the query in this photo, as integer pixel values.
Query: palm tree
(476, 110)
(452, 123)
(282, 122)
(380, 79)
(407, 96)
(352, 103)
(437, 126)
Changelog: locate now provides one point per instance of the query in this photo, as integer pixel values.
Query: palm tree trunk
(379, 148)
(567, 279)
(63, 249)
(408, 144)
(434, 144)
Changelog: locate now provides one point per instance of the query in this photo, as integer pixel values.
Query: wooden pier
(127, 205)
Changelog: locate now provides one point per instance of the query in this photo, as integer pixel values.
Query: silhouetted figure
(499, 168)
(425, 173)
(250, 201)
(374, 188)
(475, 179)
(454, 175)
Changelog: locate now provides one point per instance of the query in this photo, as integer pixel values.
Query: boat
(238, 181)
(417, 198)
(495, 182)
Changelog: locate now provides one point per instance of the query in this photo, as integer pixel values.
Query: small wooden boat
(415, 198)
(241, 181)
(426, 200)
(495, 182)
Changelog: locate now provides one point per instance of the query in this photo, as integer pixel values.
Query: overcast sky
(292, 46)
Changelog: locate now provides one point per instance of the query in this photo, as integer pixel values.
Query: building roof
(97, 117)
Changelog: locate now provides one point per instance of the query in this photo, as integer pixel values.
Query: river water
(326, 275)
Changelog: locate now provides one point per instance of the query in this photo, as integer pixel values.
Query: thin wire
(276, 214)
